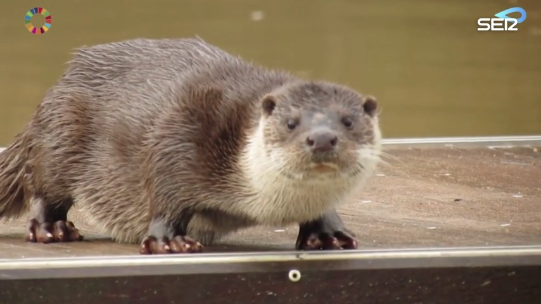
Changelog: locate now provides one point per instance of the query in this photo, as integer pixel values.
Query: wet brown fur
(144, 129)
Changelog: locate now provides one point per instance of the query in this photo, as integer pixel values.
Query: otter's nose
(322, 141)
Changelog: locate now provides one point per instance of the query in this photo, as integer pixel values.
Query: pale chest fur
(282, 201)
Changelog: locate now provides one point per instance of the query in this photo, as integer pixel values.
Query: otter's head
(315, 130)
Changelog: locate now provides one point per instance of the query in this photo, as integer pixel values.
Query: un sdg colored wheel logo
(28, 20)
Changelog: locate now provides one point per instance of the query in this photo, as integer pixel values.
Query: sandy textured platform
(435, 196)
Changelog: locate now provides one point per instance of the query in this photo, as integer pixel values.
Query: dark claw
(31, 237)
(74, 233)
(346, 240)
(332, 243)
(312, 243)
(60, 231)
(43, 233)
(179, 244)
(146, 245)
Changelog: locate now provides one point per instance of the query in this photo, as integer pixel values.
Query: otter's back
(123, 71)
(151, 72)
(126, 87)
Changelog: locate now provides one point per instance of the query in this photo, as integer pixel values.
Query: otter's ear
(370, 105)
(268, 104)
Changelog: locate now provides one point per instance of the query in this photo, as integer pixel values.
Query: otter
(174, 143)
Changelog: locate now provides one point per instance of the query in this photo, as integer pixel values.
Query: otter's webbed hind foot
(49, 224)
(325, 233)
(162, 238)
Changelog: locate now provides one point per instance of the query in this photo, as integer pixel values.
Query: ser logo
(503, 22)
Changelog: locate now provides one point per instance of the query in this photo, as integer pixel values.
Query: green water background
(433, 73)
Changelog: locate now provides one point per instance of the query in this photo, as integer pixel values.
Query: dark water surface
(432, 71)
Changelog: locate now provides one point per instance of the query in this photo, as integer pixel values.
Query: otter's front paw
(49, 232)
(326, 232)
(327, 241)
(178, 244)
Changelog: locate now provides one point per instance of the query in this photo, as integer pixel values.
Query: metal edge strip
(484, 140)
(518, 252)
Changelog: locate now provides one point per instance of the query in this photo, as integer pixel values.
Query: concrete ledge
(443, 221)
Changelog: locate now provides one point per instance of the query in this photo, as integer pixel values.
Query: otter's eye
(291, 124)
(348, 123)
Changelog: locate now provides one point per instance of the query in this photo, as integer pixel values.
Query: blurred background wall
(433, 73)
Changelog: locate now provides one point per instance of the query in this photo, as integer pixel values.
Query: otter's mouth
(324, 158)
(325, 167)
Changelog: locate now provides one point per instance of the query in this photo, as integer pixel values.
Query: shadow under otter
(174, 143)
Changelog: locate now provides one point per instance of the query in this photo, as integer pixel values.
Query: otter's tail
(12, 162)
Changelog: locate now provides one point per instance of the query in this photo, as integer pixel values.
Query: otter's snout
(322, 141)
